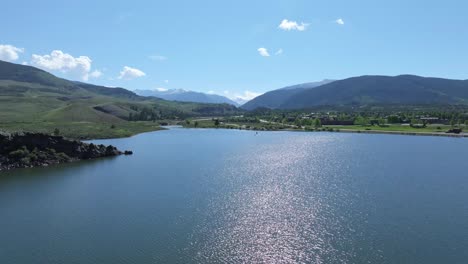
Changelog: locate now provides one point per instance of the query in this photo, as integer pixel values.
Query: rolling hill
(35, 100)
(372, 90)
(187, 96)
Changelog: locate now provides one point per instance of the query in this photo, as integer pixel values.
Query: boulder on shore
(455, 131)
(23, 150)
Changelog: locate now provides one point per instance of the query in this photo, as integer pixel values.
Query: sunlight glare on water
(277, 209)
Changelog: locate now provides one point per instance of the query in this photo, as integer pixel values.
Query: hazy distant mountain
(370, 90)
(274, 99)
(240, 101)
(187, 96)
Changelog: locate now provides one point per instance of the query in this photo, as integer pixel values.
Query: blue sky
(215, 46)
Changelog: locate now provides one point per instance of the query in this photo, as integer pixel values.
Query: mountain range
(35, 98)
(182, 95)
(366, 90)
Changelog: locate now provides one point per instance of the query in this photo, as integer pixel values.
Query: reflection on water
(279, 207)
(219, 196)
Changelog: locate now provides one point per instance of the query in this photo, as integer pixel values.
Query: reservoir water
(229, 196)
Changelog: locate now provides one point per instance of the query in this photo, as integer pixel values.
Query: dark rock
(112, 151)
(128, 152)
(22, 150)
(455, 131)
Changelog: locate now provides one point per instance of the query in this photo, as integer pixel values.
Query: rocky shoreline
(27, 150)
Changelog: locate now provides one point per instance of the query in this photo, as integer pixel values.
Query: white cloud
(279, 52)
(340, 21)
(211, 92)
(248, 95)
(9, 52)
(158, 57)
(78, 67)
(292, 25)
(161, 89)
(166, 81)
(263, 52)
(95, 74)
(245, 96)
(129, 73)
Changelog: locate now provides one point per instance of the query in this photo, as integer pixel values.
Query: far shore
(331, 129)
(434, 134)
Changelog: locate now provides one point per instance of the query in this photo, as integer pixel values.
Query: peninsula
(25, 150)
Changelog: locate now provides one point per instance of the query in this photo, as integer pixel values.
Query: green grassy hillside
(34, 100)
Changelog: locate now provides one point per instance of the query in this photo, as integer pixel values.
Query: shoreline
(404, 133)
(383, 132)
(82, 130)
(161, 128)
(265, 125)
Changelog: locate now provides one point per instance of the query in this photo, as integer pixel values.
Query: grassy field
(396, 128)
(84, 130)
(392, 128)
(209, 123)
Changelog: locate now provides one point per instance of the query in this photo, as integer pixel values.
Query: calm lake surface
(228, 196)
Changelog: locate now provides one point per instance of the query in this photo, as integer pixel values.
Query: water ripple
(277, 208)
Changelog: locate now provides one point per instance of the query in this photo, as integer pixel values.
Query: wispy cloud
(279, 52)
(158, 57)
(249, 95)
(340, 21)
(9, 52)
(129, 73)
(121, 18)
(161, 89)
(95, 74)
(57, 60)
(292, 25)
(263, 52)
